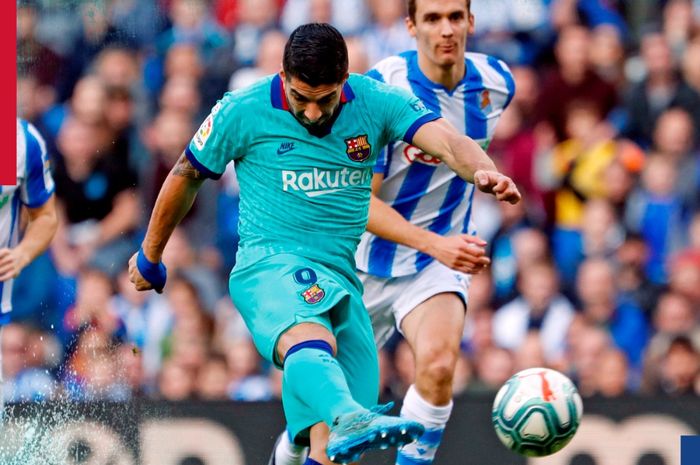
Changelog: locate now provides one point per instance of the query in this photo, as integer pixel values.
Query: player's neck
(446, 76)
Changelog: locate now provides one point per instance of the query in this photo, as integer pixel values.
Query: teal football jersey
(300, 193)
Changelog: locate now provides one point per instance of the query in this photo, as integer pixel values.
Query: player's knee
(437, 364)
(302, 333)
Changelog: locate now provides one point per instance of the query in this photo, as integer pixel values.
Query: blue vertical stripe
(507, 76)
(475, 120)
(420, 86)
(374, 74)
(468, 216)
(441, 224)
(37, 191)
(414, 186)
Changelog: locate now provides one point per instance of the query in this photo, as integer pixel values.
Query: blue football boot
(354, 433)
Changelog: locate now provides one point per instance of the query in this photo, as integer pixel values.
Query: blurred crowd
(596, 273)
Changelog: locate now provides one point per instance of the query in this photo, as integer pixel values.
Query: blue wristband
(154, 273)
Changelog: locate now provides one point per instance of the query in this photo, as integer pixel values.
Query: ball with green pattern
(537, 412)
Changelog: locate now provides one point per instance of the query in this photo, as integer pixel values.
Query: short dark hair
(412, 9)
(316, 54)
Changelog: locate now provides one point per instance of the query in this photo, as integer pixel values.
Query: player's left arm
(466, 158)
(37, 237)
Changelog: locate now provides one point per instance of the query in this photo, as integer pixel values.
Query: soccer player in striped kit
(421, 245)
(34, 190)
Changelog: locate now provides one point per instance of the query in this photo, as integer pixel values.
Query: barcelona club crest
(314, 294)
(358, 148)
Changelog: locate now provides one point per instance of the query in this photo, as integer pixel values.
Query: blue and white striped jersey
(34, 187)
(419, 186)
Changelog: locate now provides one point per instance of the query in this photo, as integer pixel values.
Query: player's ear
(283, 75)
(470, 20)
(411, 26)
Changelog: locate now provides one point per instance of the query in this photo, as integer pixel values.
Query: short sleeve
(404, 113)
(213, 145)
(38, 183)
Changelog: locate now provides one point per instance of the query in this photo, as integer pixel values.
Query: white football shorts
(389, 300)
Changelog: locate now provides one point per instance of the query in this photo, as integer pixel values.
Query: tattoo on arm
(184, 168)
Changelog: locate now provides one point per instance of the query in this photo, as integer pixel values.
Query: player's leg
(433, 329)
(286, 452)
(293, 327)
(311, 371)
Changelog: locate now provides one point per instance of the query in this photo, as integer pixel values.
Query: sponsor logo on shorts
(204, 132)
(314, 294)
(315, 183)
(358, 148)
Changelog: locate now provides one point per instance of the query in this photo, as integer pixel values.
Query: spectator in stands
(131, 371)
(607, 55)
(494, 366)
(530, 353)
(213, 379)
(632, 281)
(93, 309)
(690, 64)
(268, 60)
(386, 34)
(21, 381)
(587, 343)
(349, 16)
(96, 197)
(33, 57)
(247, 382)
(612, 374)
(571, 81)
(661, 88)
(181, 95)
(679, 368)
(657, 212)
(147, 321)
(176, 382)
(256, 19)
(539, 309)
(601, 306)
(514, 31)
(674, 139)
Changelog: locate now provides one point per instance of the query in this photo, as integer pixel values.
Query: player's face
(312, 106)
(441, 28)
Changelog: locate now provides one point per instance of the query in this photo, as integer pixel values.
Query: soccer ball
(537, 412)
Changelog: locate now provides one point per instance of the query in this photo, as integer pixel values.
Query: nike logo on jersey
(285, 147)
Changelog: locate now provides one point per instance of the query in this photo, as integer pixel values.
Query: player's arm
(37, 237)
(462, 252)
(174, 201)
(466, 158)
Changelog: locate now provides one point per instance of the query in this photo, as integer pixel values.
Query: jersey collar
(279, 99)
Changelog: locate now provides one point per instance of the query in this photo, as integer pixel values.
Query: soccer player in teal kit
(304, 143)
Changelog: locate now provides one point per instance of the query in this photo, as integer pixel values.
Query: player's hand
(12, 261)
(146, 275)
(500, 185)
(464, 253)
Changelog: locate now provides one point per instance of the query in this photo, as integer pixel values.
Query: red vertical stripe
(8, 92)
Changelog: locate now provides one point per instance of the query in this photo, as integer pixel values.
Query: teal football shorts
(283, 290)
